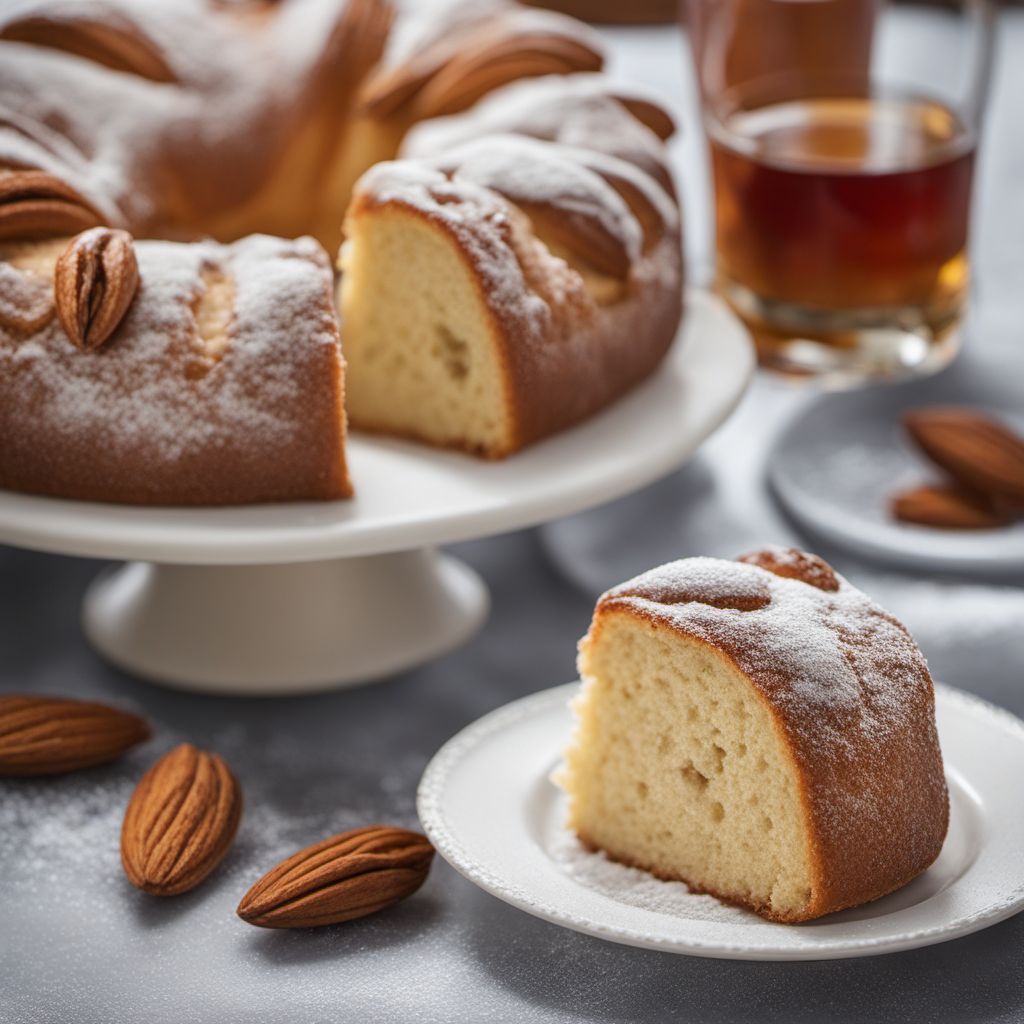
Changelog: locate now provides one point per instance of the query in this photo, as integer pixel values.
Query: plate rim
(430, 793)
(890, 543)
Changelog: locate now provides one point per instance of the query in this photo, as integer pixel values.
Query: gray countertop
(77, 944)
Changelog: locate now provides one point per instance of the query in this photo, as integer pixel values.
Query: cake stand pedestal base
(270, 629)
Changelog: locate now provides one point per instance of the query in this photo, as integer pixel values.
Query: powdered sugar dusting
(573, 110)
(700, 581)
(430, 33)
(135, 145)
(152, 388)
(527, 171)
(837, 650)
(636, 888)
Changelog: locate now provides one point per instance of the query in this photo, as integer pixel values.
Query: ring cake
(760, 730)
(157, 346)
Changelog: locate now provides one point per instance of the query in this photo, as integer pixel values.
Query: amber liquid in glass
(837, 216)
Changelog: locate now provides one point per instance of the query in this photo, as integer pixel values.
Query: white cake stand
(300, 597)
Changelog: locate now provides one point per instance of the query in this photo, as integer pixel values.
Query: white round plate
(490, 809)
(410, 496)
(837, 464)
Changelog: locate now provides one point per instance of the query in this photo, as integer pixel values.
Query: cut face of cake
(759, 730)
(680, 771)
(423, 352)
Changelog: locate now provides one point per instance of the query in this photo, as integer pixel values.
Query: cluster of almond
(182, 818)
(984, 464)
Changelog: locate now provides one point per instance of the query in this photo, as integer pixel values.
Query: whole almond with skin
(34, 204)
(946, 507)
(53, 735)
(976, 450)
(344, 877)
(180, 821)
(94, 283)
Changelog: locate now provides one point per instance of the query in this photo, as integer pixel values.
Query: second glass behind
(843, 135)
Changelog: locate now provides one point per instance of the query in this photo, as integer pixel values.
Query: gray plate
(837, 464)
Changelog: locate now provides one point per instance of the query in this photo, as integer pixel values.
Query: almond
(947, 507)
(180, 821)
(34, 204)
(976, 450)
(94, 283)
(53, 735)
(347, 876)
(794, 564)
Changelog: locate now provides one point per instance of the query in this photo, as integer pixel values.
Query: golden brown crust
(615, 12)
(795, 565)
(171, 411)
(627, 341)
(592, 112)
(448, 61)
(864, 747)
(102, 36)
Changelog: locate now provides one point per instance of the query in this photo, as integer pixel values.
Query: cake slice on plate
(761, 730)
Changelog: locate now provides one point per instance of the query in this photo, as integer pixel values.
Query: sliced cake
(508, 287)
(760, 730)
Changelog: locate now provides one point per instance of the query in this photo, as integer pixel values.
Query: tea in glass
(842, 199)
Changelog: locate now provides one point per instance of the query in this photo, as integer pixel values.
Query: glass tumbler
(843, 136)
